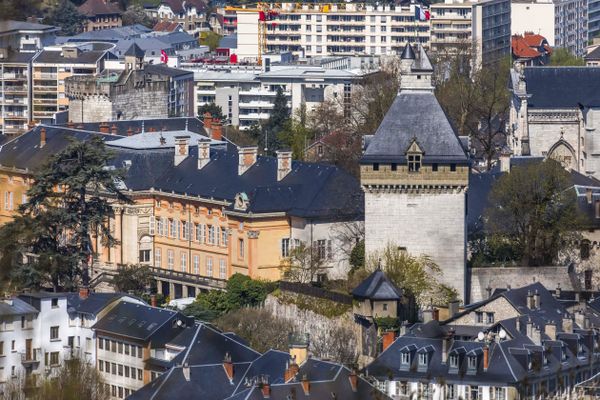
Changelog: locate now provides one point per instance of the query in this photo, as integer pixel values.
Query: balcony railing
(31, 357)
(188, 278)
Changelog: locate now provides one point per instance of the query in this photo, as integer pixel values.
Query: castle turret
(134, 58)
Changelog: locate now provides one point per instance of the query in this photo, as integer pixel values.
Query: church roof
(408, 53)
(415, 115)
(563, 87)
(377, 287)
(136, 51)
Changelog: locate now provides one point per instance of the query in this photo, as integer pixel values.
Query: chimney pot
(104, 127)
(486, 357)
(266, 390)
(129, 131)
(42, 137)
(203, 152)
(247, 157)
(388, 339)
(284, 164)
(537, 300)
(113, 129)
(84, 292)
(353, 377)
(305, 385)
(228, 365)
(207, 121)
(181, 149)
(153, 300)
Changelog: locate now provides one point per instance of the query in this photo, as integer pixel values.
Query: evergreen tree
(68, 201)
(215, 111)
(276, 123)
(66, 16)
(18, 9)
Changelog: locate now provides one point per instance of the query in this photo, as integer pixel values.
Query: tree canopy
(562, 57)
(215, 111)
(67, 203)
(532, 213)
(66, 16)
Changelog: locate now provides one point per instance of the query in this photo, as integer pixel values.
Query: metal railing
(188, 278)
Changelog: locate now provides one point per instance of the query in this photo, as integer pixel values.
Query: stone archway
(563, 153)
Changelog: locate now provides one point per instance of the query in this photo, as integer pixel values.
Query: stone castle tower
(415, 175)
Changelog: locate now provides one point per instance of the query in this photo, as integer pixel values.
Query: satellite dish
(480, 336)
(502, 334)
(179, 322)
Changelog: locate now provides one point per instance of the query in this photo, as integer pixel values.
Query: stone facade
(499, 309)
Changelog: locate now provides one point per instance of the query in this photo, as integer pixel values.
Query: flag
(421, 14)
(163, 57)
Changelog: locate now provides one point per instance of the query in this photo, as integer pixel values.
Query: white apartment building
(246, 95)
(483, 24)
(564, 23)
(353, 28)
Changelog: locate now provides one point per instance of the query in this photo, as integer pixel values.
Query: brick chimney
(228, 366)
(113, 129)
(203, 152)
(486, 357)
(388, 339)
(70, 124)
(291, 371)
(129, 131)
(31, 125)
(217, 130)
(182, 148)
(104, 127)
(84, 292)
(247, 157)
(305, 385)
(353, 378)
(153, 300)
(42, 137)
(265, 388)
(284, 163)
(207, 121)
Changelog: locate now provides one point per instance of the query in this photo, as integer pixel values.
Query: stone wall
(146, 102)
(500, 277)
(91, 109)
(425, 223)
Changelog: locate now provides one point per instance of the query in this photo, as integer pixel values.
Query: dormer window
(423, 360)
(563, 353)
(454, 361)
(472, 362)
(405, 358)
(414, 162)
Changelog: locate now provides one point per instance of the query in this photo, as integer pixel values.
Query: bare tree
(304, 263)
(338, 344)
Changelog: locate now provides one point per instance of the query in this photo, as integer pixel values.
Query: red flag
(163, 56)
(427, 15)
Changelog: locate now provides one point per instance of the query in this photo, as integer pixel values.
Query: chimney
(291, 371)
(530, 304)
(70, 124)
(388, 339)
(203, 152)
(228, 366)
(428, 315)
(207, 121)
(436, 314)
(403, 326)
(446, 344)
(353, 380)
(113, 129)
(42, 137)
(84, 292)
(153, 300)
(577, 297)
(536, 335)
(505, 160)
(186, 371)
(31, 125)
(586, 322)
(567, 324)
(181, 148)
(488, 291)
(529, 325)
(588, 195)
(550, 330)
(284, 163)
(486, 357)
(247, 156)
(305, 385)
(453, 307)
(129, 131)
(104, 127)
(537, 300)
(217, 130)
(557, 292)
(265, 388)
(518, 324)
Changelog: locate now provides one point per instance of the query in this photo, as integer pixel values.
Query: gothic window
(414, 162)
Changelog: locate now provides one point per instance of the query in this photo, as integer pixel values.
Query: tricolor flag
(421, 14)
(163, 57)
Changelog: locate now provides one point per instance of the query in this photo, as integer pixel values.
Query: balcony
(13, 77)
(188, 278)
(15, 115)
(254, 116)
(256, 104)
(31, 357)
(261, 92)
(15, 89)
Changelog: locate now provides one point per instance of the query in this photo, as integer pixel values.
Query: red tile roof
(521, 49)
(99, 7)
(165, 26)
(179, 6)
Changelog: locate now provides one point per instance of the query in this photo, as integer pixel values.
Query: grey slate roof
(309, 190)
(14, 26)
(415, 114)
(161, 69)
(593, 55)
(56, 57)
(93, 304)
(16, 306)
(135, 51)
(563, 87)
(377, 286)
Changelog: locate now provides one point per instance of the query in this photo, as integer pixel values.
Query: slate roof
(93, 304)
(309, 190)
(92, 8)
(593, 55)
(135, 51)
(142, 322)
(10, 26)
(56, 57)
(15, 307)
(180, 6)
(563, 87)
(160, 69)
(111, 35)
(377, 286)
(415, 114)
(17, 57)
(166, 26)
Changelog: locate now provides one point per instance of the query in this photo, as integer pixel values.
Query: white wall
(248, 41)
(533, 17)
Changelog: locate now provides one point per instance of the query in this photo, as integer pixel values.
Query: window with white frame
(224, 237)
(196, 264)
(472, 362)
(500, 393)
(145, 256)
(183, 262)
(453, 361)
(160, 227)
(285, 247)
(209, 266)
(185, 230)
(170, 259)
(211, 234)
(241, 248)
(422, 359)
(157, 257)
(222, 269)
(321, 248)
(405, 358)
(8, 200)
(450, 392)
(172, 228)
(200, 233)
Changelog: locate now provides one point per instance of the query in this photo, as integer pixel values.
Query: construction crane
(266, 13)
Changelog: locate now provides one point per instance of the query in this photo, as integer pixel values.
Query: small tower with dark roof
(377, 297)
(134, 57)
